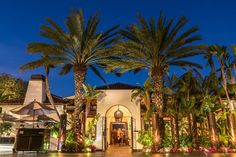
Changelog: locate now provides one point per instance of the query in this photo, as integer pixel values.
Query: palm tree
(209, 104)
(155, 46)
(234, 59)
(222, 55)
(143, 95)
(173, 107)
(188, 90)
(90, 94)
(79, 47)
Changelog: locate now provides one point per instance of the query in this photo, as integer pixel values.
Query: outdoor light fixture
(118, 115)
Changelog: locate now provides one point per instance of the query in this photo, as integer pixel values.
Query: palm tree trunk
(212, 129)
(232, 128)
(79, 79)
(175, 132)
(224, 84)
(234, 66)
(155, 131)
(48, 93)
(49, 96)
(157, 77)
(202, 128)
(62, 131)
(230, 116)
(193, 132)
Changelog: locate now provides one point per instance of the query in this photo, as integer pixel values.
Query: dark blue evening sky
(20, 22)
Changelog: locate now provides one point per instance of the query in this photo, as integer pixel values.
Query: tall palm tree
(222, 55)
(155, 46)
(80, 47)
(213, 84)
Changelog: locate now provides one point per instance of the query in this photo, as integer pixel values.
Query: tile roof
(57, 100)
(117, 86)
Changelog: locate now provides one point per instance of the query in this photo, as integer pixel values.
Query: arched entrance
(109, 127)
(118, 131)
(106, 106)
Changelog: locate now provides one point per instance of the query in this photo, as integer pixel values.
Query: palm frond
(95, 70)
(65, 69)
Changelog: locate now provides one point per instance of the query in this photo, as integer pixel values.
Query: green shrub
(5, 128)
(145, 138)
(167, 141)
(54, 129)
(204, 141)
(185, 141)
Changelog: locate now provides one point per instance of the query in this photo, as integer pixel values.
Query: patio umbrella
(38, 118)
(8, 117)
(33, 109)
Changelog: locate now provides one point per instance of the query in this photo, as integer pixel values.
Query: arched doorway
(106, 106)
(118, 131)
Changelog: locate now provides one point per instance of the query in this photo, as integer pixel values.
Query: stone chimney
(35, 90)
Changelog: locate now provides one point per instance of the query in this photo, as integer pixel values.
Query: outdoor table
(32, 139)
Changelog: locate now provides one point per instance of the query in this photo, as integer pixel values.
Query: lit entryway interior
(118, 132)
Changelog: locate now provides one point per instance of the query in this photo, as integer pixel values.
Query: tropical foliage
(90, 135)
(200, 108)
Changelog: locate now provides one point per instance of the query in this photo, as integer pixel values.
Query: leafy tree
(156, 46)
(80, 47)
(11, 87)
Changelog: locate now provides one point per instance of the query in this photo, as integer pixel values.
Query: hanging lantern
(118, 115)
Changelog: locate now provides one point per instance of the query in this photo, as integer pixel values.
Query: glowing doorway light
(118, 115)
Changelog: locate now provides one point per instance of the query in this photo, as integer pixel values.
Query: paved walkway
(114, 151)
(115, 154)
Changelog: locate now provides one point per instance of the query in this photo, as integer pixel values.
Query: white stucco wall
(111, 98)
